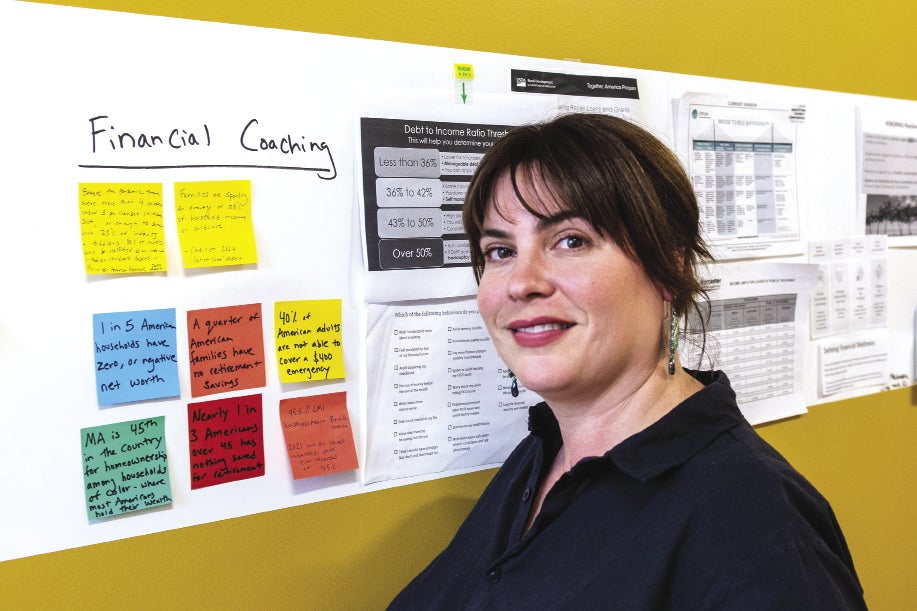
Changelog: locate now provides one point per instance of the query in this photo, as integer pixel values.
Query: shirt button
(526, 495)
(493, 575)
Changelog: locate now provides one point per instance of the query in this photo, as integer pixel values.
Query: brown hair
(624, 181)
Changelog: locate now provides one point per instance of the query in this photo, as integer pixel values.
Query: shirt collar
(670, 441)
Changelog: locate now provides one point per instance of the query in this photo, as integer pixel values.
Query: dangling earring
(514, 386)
(673, 340)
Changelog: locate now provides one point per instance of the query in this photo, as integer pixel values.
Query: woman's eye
(497, 253)
(572, 242)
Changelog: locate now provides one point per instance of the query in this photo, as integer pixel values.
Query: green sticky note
(125, 467)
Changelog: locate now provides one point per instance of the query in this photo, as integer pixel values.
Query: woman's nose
(530, 276)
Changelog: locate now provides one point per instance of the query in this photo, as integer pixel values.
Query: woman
(640, 486)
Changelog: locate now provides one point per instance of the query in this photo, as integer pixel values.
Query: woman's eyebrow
(544, 222)
(499, 234)
(559, 217)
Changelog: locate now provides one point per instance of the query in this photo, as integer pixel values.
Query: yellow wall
(355, 553)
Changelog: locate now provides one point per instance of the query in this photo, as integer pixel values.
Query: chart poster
(318, 435)
(122, 229)
(214, 221)
(742, 160)
(225, 349)
(135, 356)
(125, 467)
(226, 440)
(308, 340)
(415, 174)
(755, 332)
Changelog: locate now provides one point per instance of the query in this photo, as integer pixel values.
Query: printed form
(439, 394)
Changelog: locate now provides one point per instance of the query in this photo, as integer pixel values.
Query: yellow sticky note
(214, 221)
(121, 225)
(308, 340)
(464, 71)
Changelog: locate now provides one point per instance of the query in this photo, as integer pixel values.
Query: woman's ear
(680, 263)
(680, 258)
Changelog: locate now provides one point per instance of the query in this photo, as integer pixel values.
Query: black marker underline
(208, 165)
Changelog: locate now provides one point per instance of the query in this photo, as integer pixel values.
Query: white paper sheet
(856, 363)
(742, 159)
(438, 394)
(887, 164)
(851, 288)
(756, 334)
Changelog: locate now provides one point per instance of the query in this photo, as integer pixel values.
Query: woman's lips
(538, 332)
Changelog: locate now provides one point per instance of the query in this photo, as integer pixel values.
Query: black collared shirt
(694, 512)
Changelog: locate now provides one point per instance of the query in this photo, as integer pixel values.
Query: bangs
(549, 190)
(544, 201)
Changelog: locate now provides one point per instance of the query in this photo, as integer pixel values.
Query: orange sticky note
(318, 435)
(225, 349)
(214, 221)
(121, 225)
(309, 340)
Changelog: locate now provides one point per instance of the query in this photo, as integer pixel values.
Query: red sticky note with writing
(318, 434)
(225, 349)
(225, 440)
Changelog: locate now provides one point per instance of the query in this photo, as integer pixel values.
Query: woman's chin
(540, 385)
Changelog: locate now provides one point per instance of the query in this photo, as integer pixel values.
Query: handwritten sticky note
(464, 71)
(225, 349)
(226, 440)
(308, 340)
(122, 229)
(214, 221)
(125, 467)
(318, 434)
(135, 356)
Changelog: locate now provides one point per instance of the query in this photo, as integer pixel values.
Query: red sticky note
(318, 434)
(226, 440)
(225, 349)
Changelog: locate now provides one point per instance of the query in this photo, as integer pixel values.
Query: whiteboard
(160, 75)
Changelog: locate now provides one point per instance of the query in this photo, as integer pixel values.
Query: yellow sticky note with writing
(464, 71)
(121, 225)
(214, 221)
(308, 339)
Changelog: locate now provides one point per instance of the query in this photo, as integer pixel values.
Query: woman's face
(570, 313)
